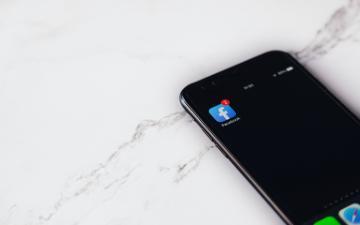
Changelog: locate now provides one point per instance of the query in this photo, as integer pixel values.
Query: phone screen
(293, 138)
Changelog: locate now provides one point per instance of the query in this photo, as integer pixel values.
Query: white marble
(91, 131)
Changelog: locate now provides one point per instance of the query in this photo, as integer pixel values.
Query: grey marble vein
(186, 168)
(136, 137)
(10, 213)
(83, 183)
(343, 25)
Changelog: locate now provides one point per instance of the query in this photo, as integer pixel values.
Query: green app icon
(328, 221)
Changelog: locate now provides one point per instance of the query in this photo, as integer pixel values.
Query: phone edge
(222, 148)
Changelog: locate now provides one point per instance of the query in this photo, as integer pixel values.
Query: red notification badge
(225, 102)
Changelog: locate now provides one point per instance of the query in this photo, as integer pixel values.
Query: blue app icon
(222, 112)
(351, 214)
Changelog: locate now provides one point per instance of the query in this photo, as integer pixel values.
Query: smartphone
(293, 140)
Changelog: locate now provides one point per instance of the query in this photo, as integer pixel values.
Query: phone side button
(216, 144)
(221, 150)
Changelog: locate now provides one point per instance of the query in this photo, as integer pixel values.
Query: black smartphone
(293, 140)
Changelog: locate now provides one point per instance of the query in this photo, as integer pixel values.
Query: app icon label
(222, 112)
(328, 221)
(351, 214)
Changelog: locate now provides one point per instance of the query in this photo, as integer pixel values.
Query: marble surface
(91, 130)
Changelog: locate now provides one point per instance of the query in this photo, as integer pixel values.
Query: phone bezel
(227, 152)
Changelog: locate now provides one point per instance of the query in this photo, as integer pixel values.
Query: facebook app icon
(222, 112)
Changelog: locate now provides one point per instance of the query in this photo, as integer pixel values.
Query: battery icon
(289, 68)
